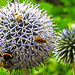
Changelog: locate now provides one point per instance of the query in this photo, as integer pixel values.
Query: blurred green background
(63, 12)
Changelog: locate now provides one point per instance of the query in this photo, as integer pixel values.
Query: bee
(40, 40)
(18, 16)
(6, 60)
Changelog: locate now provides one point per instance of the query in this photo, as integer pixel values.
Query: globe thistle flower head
(26, 35)
(65, 46)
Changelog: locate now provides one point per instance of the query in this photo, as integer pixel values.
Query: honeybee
(40, 40)
(18, 16)
(6, 60)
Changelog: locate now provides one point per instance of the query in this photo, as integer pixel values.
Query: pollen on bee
(18, 16)
(40, 40)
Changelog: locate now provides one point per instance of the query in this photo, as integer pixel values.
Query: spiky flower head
(26, 35)
(65, 46)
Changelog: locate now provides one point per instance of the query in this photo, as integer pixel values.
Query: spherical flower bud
(26, 35)
(65, 46)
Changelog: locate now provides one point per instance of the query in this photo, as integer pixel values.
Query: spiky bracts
(26, 34)
(65, 46)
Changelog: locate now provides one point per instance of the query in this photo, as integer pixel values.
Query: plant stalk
(74, 69)
(25, 71)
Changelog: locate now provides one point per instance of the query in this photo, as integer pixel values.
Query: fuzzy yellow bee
(18, 16)
(40, 40)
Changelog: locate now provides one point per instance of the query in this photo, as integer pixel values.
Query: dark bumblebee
(6, 60)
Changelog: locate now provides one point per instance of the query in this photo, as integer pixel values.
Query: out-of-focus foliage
(64, 13)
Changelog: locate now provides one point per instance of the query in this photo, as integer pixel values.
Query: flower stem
(25, 71)
(74, 69)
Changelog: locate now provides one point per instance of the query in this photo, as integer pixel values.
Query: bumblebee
(18, 16)
(38, 39)
(6, 60)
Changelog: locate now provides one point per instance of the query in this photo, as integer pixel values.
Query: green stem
(25, 71)
(74, 69)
